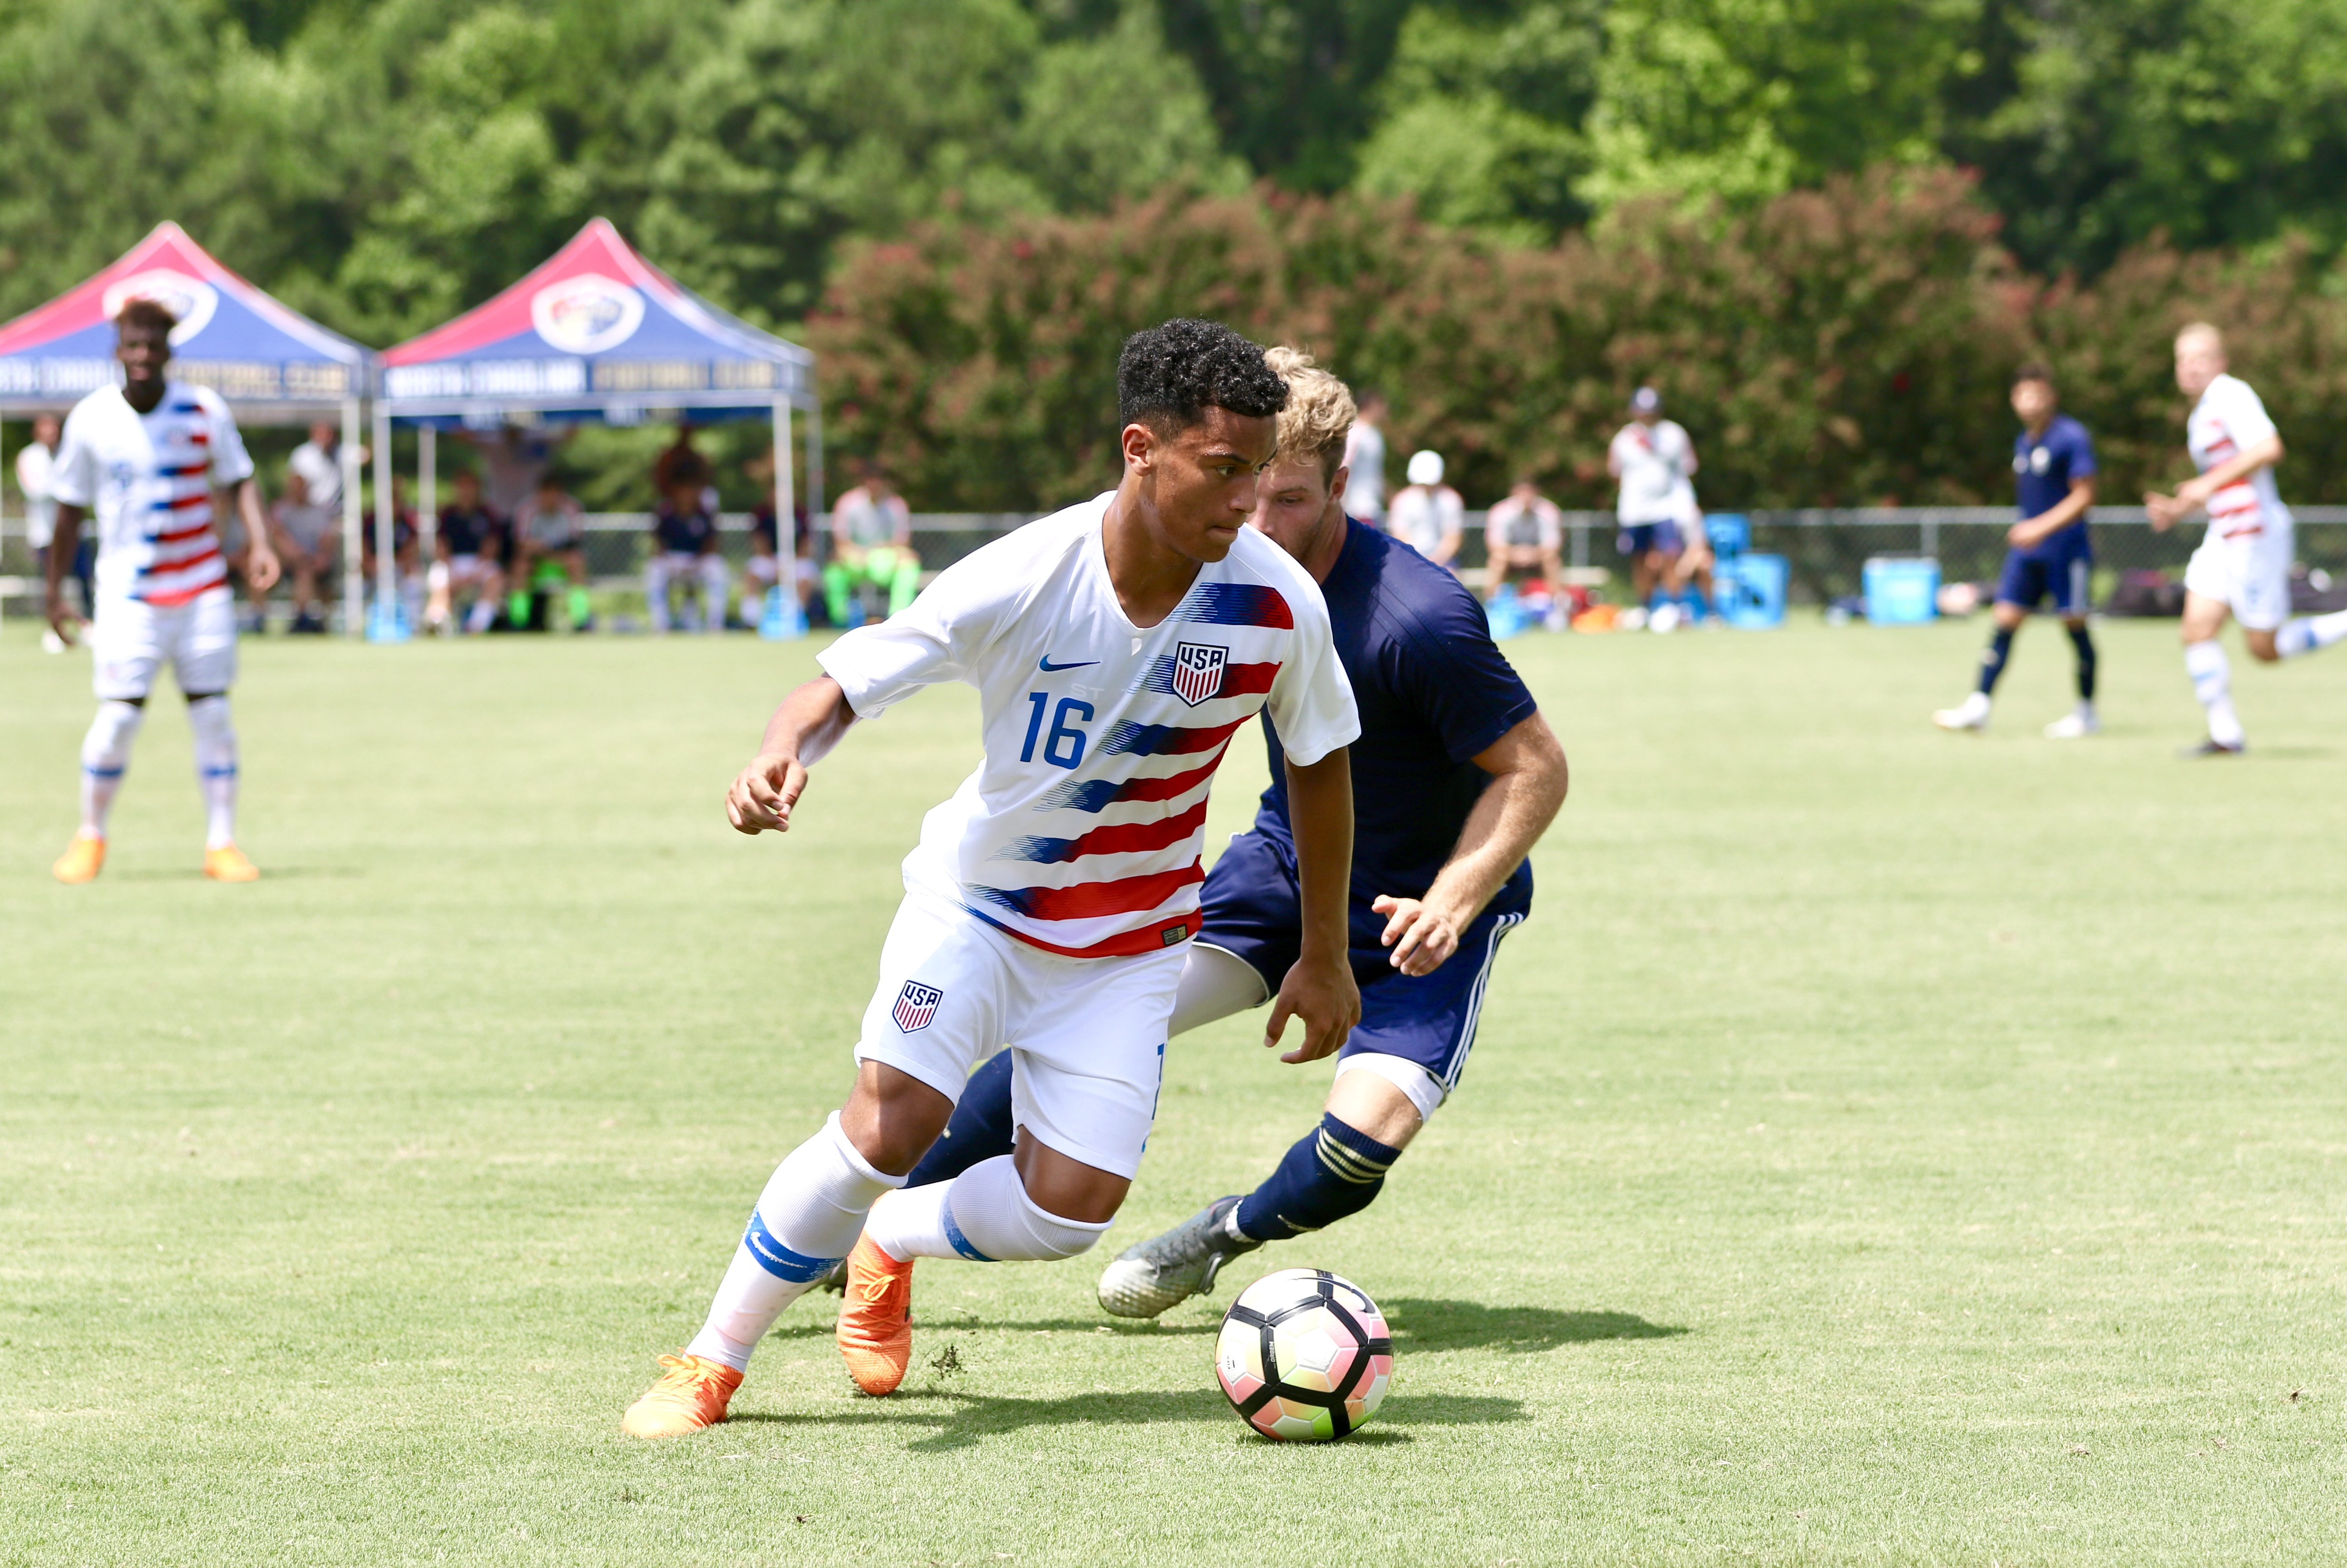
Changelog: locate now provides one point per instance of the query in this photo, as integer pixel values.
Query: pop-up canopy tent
(273, 365)
(596, 334)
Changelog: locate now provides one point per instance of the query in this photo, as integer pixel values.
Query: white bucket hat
(1426, 468)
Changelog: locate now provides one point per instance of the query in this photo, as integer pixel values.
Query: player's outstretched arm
(1529, 779)
(1319, 991)
(2169, 510)
(803, 730)
(261, 567)
(64, 541)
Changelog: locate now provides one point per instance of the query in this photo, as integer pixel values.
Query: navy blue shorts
(1252, 911)
(1636, 539)
(2026, 582)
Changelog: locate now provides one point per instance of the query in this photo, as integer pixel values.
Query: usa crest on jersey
(917, 1004)
(1198, 671)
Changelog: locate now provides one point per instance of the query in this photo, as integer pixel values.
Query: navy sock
(1332, 1172)
(981, 1128)
(1993, 657)
(2085, 647)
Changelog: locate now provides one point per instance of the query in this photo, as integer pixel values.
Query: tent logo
(190, 299)
(587, 315)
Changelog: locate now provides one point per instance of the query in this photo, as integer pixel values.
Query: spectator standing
(871, 541)
(1524, 533)
(472, 545)
(680, 458)
(550, 548)
(309, 522)
(36, 471)
(514, 460)
(684, 549)
(1427, 514)
(1365, 459)
(1655, 463)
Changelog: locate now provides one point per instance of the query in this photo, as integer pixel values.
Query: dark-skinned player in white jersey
(1456, 776)
(1116, 647)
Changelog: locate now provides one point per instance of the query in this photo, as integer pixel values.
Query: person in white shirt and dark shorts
(144, 458)
(1655, 463)
(2242, 565)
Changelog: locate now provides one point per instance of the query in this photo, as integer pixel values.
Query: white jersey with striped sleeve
(147, 480)
(2230, 418)
(1082, 831)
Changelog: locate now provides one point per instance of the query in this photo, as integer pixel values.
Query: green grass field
(1882, 1146)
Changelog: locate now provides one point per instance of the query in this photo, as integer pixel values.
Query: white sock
(2212, 682)
(2309, 632)
(477, 618)
(806, 1220)
(984, 1214)
(215, 768)
(105, 753)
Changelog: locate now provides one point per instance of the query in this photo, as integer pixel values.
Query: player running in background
(2049, 551)
(1655, 463)
(144, 458)
(871, 541)
(2242, 567)
(1456, 776)
(1115, 647)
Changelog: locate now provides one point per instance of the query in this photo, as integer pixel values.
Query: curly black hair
(150, 315)
(1167, 376)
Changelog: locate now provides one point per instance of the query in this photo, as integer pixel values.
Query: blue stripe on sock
(101, 772)
(226, 772)
(960, 1241)
(779, 1260)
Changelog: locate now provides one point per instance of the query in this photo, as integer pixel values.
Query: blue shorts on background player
(1455, 776)
(2052, 556)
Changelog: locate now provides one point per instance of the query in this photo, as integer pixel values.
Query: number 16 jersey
(1082, 830)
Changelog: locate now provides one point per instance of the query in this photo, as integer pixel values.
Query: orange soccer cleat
(691, 1394)
(228, 864)
(876, 1318)
(81, 861)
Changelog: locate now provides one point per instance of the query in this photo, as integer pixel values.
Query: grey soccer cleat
(834, 1279)
(1150, 1276)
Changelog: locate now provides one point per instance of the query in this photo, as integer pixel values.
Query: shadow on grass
(947, 1320)
(1432, 1325)
(969, 1417)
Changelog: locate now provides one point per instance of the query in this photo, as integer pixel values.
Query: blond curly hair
(1319, 411)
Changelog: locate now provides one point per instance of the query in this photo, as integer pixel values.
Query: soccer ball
(1303, 1356)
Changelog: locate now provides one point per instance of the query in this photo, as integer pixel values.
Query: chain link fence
(1827, 551)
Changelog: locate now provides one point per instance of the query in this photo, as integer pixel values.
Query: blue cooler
(1902, 590)
(1750, 590)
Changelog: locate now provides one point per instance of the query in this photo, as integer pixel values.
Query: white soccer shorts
(1087, 1035)
(129, 641)
(2249, 573)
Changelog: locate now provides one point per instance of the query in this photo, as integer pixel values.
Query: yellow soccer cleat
(228, 864)
(691, 1394)
(82, 860)
(876, 1318)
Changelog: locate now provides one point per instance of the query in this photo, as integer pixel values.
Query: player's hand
(62, 620)
(262, 569)
(2021, 536)
(763, 794)
(2165, 511)
(1422, 936)
(1321, 996)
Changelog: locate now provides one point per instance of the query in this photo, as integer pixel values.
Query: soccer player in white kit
(1116, 647)
(2242, 567)
(145, 458)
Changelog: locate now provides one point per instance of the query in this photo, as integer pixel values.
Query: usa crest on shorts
(1198, 671)
(917, 1004)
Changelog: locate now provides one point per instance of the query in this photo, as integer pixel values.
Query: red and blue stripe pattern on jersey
(183, 554)
(1116, 838)
(1237, 604)
(1238, 679)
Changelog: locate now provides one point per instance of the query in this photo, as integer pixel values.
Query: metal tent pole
(814, 464)
(786, 487)
(353, 581)
(386, 568)
(428, 495)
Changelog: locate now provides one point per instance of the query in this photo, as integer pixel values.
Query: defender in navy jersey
(1455, 776)
(2051, 555)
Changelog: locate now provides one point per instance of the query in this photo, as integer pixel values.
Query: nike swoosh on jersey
(1045, 664)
